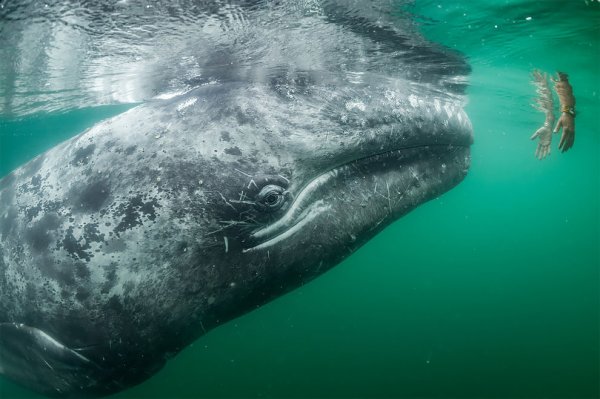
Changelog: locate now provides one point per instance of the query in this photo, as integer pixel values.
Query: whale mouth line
(307, 215)
(305, 208)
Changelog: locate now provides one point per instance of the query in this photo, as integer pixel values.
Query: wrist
(568, 109)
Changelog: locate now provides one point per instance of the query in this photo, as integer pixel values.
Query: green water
(492, 290)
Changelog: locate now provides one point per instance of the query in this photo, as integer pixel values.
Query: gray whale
(126, 243)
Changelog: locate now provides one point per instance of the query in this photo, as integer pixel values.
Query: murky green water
(492, 290)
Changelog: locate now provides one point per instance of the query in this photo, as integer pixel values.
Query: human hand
(539, 76)
(544, 133)
(567, 123)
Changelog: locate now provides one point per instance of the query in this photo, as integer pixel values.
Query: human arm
(543, 103)
(567, 107)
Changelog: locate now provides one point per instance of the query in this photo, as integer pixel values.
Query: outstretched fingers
(542, 151)
(558, 125)
(561, 143)
(537, 133)
(566, 141)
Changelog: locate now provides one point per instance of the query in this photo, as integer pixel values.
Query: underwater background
(491, 290)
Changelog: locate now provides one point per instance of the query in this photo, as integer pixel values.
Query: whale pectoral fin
(33, 358)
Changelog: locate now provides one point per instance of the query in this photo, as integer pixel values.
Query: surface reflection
(72, 54)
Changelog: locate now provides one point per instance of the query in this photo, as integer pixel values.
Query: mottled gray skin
(124, 244)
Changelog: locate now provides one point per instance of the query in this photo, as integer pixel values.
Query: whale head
(277, 140)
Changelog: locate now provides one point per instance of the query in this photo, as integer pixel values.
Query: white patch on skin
(359, 105)
(187, 103)
(297, 207)
(412, 99)
(449, 110)
(314, 211)
(436, 104)
(169, 95)
(355, 77)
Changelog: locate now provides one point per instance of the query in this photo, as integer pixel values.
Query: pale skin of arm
(566, 121)
(545, 104)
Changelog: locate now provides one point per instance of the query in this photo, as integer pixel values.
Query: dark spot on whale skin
(133, 211)
(128, 287)
(110, 274)
(243, 118)
(130, 150)
(82, 294)
(61, 272)
(52, 206)
(22, 188)
(225, 136)
(92, 197)
(74, 248)
(91, 233)
(39, 236)
(114, 304)
(66, 277)
(195, 81)
(114, 245)
(87, 172)
(82, 271)
(82, 155)
(36, 182)
(233, 151)
(181, 247)
(284, 84)
(140, 174)
(32, 212)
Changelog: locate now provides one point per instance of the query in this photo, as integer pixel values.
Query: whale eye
(270, 198)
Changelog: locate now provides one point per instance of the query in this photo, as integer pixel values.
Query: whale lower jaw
(416, 173)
